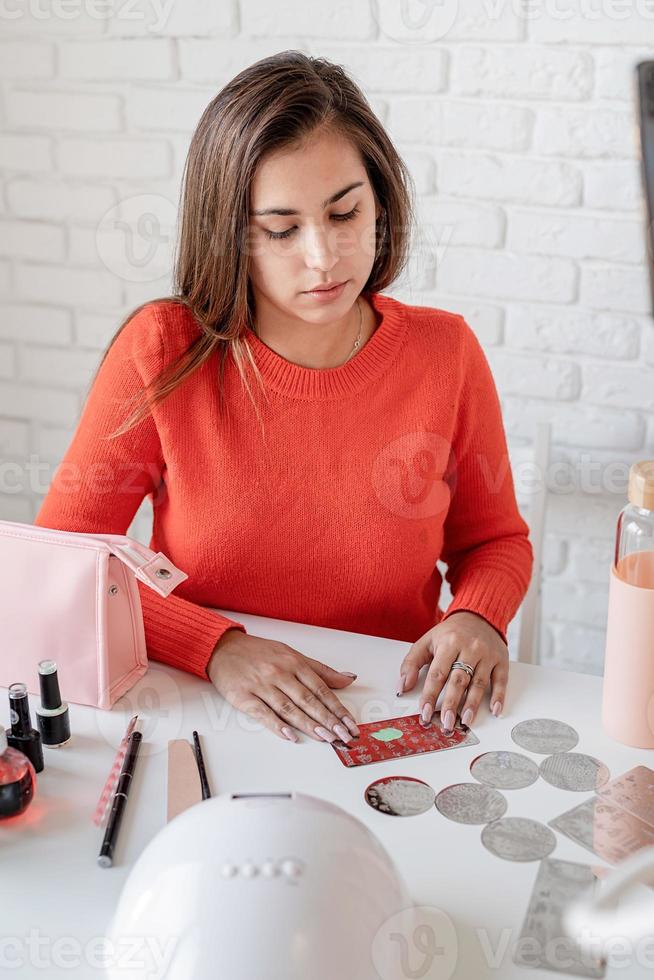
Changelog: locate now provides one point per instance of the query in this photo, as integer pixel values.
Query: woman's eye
(337, 217)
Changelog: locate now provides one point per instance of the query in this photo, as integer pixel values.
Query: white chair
(530, 610)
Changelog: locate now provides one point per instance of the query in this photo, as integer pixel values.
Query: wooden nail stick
(184, 788)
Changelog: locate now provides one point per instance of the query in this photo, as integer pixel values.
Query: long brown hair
(278, 102)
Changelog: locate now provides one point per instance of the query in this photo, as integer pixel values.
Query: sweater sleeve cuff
(181, 633)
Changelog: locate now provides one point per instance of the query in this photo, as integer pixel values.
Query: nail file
(543, 942)
(605, 829)
(184, 787)
(106, 796)
(504, 770)
(634, 792)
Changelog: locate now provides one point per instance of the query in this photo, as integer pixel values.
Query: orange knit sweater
(370, 472)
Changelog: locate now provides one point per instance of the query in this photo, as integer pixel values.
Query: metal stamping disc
(518, 839)
(544, 736)
(575, 771)
(471, 803)
(400, 796)
(504, 770)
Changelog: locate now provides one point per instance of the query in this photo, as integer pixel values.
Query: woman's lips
(324, 295)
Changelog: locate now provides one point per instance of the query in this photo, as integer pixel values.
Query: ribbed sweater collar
(297, 381)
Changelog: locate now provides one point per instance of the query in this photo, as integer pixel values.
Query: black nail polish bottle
(52, 717)
(21, 735)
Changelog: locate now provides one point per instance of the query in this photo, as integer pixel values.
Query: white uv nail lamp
(283, 886)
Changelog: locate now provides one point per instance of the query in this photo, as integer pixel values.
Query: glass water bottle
(634, 539)
(628, 686)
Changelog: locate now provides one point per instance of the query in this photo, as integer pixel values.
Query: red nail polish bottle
(17, 779)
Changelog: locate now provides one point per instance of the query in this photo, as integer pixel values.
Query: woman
(310, 454)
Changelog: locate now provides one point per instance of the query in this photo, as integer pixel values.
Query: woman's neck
(311, 349)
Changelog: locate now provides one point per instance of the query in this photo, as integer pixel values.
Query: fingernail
(400, 686)
(448, 720)
(342, 733)
(323, 733)
(347, 673)
(466, 717)
(427, 712)
(289, 734)
(351, 725)
(497, 708)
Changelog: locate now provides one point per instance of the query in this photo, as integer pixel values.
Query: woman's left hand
(462, 636)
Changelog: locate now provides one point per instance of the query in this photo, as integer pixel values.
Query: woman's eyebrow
(330, 200)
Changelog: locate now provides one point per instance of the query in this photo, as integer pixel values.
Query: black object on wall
(645, 108)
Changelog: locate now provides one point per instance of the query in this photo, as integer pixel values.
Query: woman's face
(328, 237)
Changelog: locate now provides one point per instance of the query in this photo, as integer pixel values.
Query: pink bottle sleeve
(628, 688)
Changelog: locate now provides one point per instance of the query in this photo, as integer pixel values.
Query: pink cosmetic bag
(73, 598)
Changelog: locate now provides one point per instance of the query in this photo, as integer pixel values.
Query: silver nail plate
(471, 803)
(504, 770)
(545, 736)
(575, 771)
(518, 839)
(400, 796)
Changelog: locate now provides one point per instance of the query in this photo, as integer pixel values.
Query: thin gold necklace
(357, 342)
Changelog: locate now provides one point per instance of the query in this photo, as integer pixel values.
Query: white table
(56, 901)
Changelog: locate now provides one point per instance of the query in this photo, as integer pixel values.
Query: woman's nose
(320, 249)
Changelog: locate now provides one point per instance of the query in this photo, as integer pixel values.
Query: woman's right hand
(280, 687)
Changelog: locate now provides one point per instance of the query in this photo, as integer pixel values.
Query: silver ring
(460, 664)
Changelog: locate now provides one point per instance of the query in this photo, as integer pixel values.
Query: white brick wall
(519, 133)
